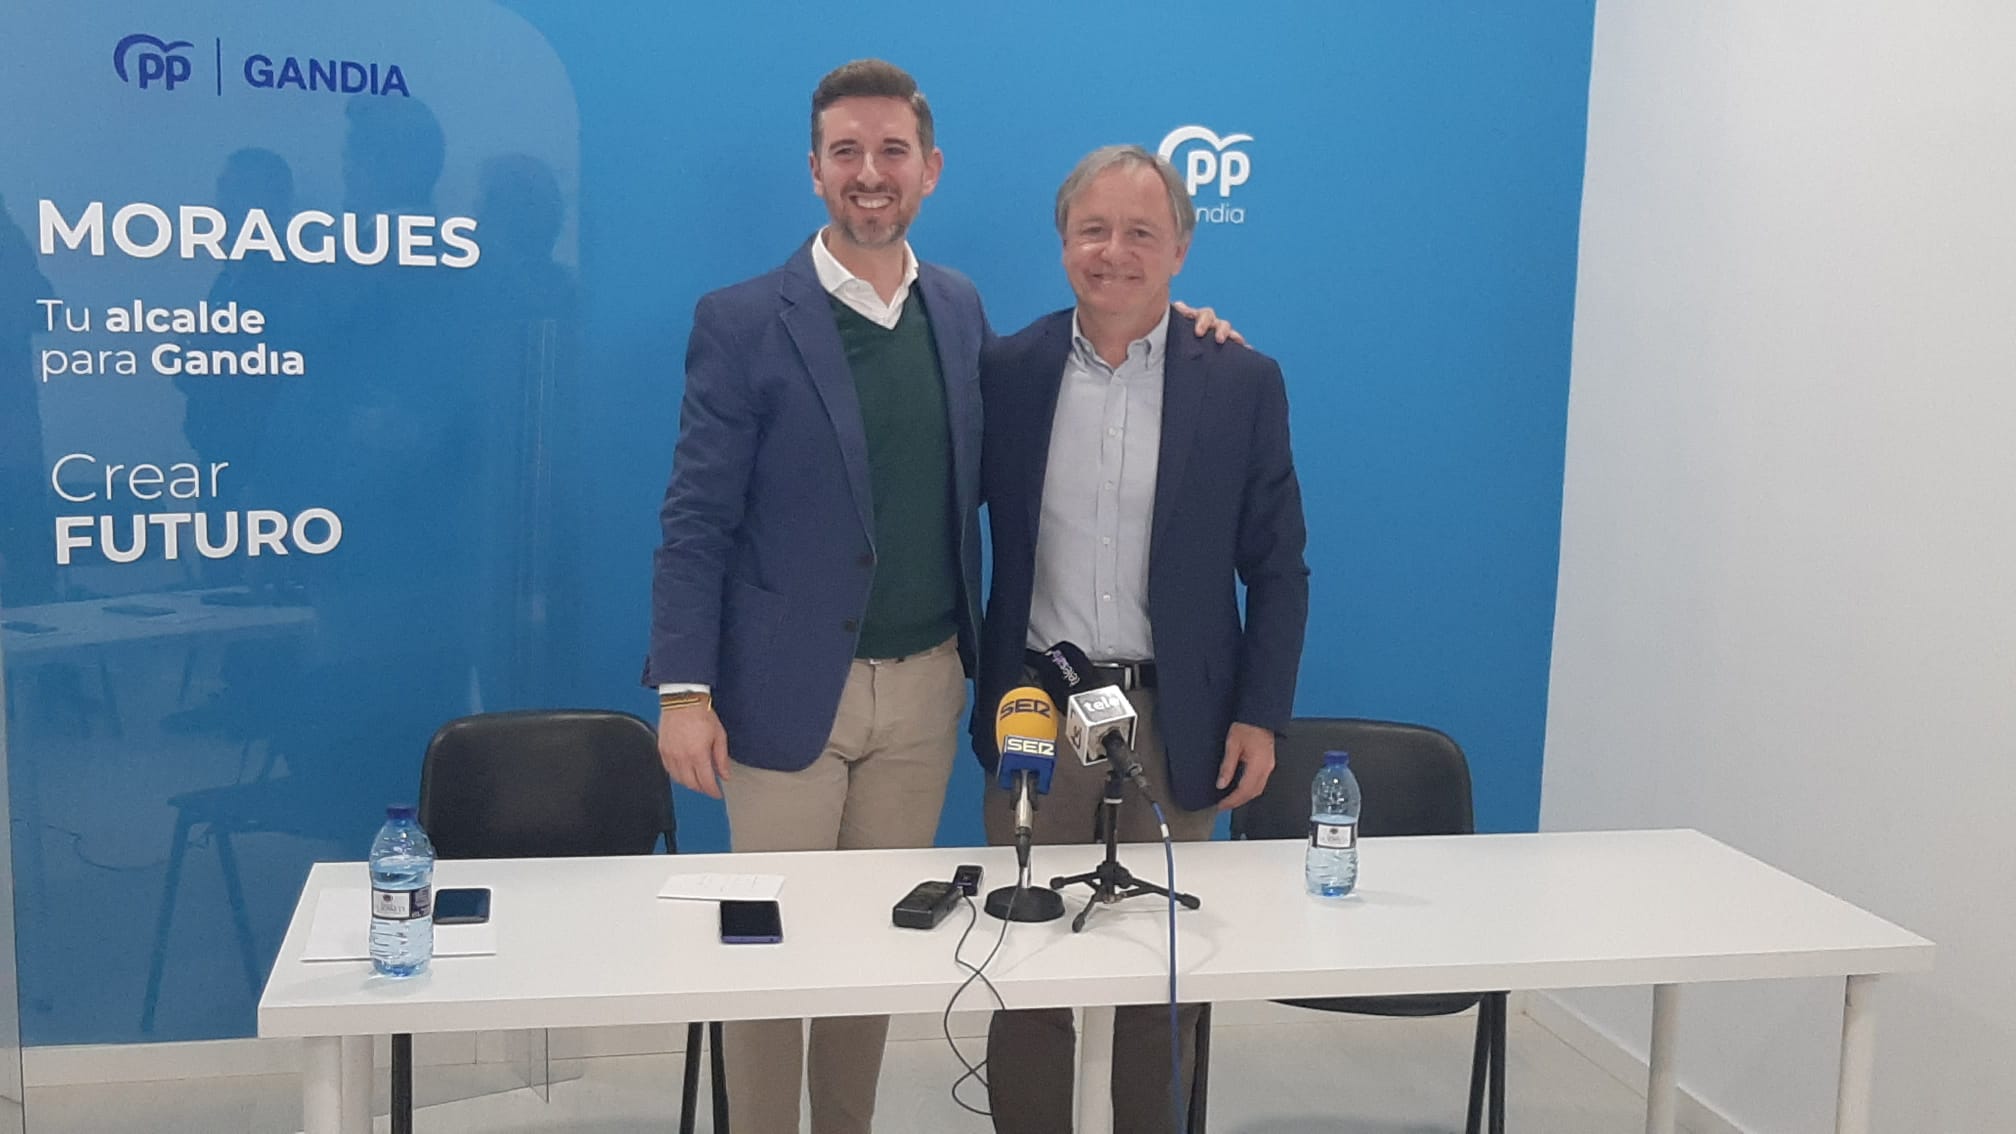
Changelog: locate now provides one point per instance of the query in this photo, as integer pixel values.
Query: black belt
(1122, 675)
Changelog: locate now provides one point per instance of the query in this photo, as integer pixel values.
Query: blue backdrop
(451, 506)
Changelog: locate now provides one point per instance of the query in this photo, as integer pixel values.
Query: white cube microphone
(1092, 716)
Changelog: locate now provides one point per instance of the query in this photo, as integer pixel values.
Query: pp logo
(1208, 159)
(1201, 165)
(155, 61)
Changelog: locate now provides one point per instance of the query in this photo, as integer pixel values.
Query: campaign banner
(289, 301)
(341, 358)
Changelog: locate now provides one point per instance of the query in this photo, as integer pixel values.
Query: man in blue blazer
(815, 598)
(1134, 476)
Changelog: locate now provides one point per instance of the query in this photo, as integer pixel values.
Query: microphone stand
(1110, 881)
(1022, 902)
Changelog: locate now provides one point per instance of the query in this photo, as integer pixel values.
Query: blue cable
(1176, 1108)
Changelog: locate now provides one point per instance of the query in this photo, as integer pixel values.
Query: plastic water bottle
(402, 896)
(1330, 868)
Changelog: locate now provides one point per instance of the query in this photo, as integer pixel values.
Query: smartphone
(462, 907)
(967, 879)
(751, 923)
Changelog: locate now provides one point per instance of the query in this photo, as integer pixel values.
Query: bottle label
(1333, 836)
(402, 905)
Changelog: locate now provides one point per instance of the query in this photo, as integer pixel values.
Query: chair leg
(188, 671)
(150, 1001)
(1498, 1064)
(234, 896)
(1200, 1074)
(111, 698)
(402, 1084)
(719, 1077)
(1480, 1068)
(689, 1091)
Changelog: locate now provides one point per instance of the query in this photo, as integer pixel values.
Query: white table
(585, 943)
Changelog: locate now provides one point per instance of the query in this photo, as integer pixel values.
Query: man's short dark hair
(871, 78)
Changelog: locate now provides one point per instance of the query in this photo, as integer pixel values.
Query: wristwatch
(685, 700)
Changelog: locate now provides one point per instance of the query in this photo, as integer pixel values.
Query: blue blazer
(760, 584)
(1227, 509)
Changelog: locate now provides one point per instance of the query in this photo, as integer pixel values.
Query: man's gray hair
(1117, 157)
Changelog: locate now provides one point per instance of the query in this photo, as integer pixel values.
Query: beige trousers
(879, 783)
(1031, 1053)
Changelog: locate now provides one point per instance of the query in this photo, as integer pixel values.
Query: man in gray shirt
(1134, 477)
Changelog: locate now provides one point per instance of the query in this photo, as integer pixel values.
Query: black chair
(550, 784)
(267, 803)
(1415, 782)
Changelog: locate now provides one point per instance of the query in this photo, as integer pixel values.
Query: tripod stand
(1110, 881)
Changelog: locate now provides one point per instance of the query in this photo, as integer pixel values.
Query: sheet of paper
(723, 887)
(341, 930)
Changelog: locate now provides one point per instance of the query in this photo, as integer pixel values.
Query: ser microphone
(1025, 736)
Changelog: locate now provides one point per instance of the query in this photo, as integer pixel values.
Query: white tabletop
(585, 942)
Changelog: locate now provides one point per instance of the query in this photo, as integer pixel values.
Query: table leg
(356, 1060)
(1095, 1071)
(322, 1085)
(1662, 1088)
(1858, 1057)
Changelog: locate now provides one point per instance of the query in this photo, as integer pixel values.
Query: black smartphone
(751, 923)
(462, 907)
(967, 879)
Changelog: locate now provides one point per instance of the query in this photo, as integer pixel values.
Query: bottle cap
(1337, 756)
(400, 811)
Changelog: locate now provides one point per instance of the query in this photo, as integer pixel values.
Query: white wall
(1787, 610)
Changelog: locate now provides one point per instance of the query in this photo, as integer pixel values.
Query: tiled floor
(1303, 1074)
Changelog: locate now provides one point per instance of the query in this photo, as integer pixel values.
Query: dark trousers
(1031, 1053)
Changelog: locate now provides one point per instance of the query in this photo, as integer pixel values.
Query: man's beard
(879, 236)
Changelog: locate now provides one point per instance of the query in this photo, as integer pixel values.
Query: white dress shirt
(859, 294)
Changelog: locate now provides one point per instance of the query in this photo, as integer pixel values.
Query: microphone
(1025, 735)
(1099, 720)
(1094, 717)
(1064, 669)
(1099, 725)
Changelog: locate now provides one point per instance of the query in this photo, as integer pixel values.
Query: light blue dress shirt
(1099, 502)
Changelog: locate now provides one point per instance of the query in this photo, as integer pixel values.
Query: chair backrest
(545, 784)
(1414, 780)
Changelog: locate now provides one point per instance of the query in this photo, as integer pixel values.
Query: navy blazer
(762, 580)
(1227, 508)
